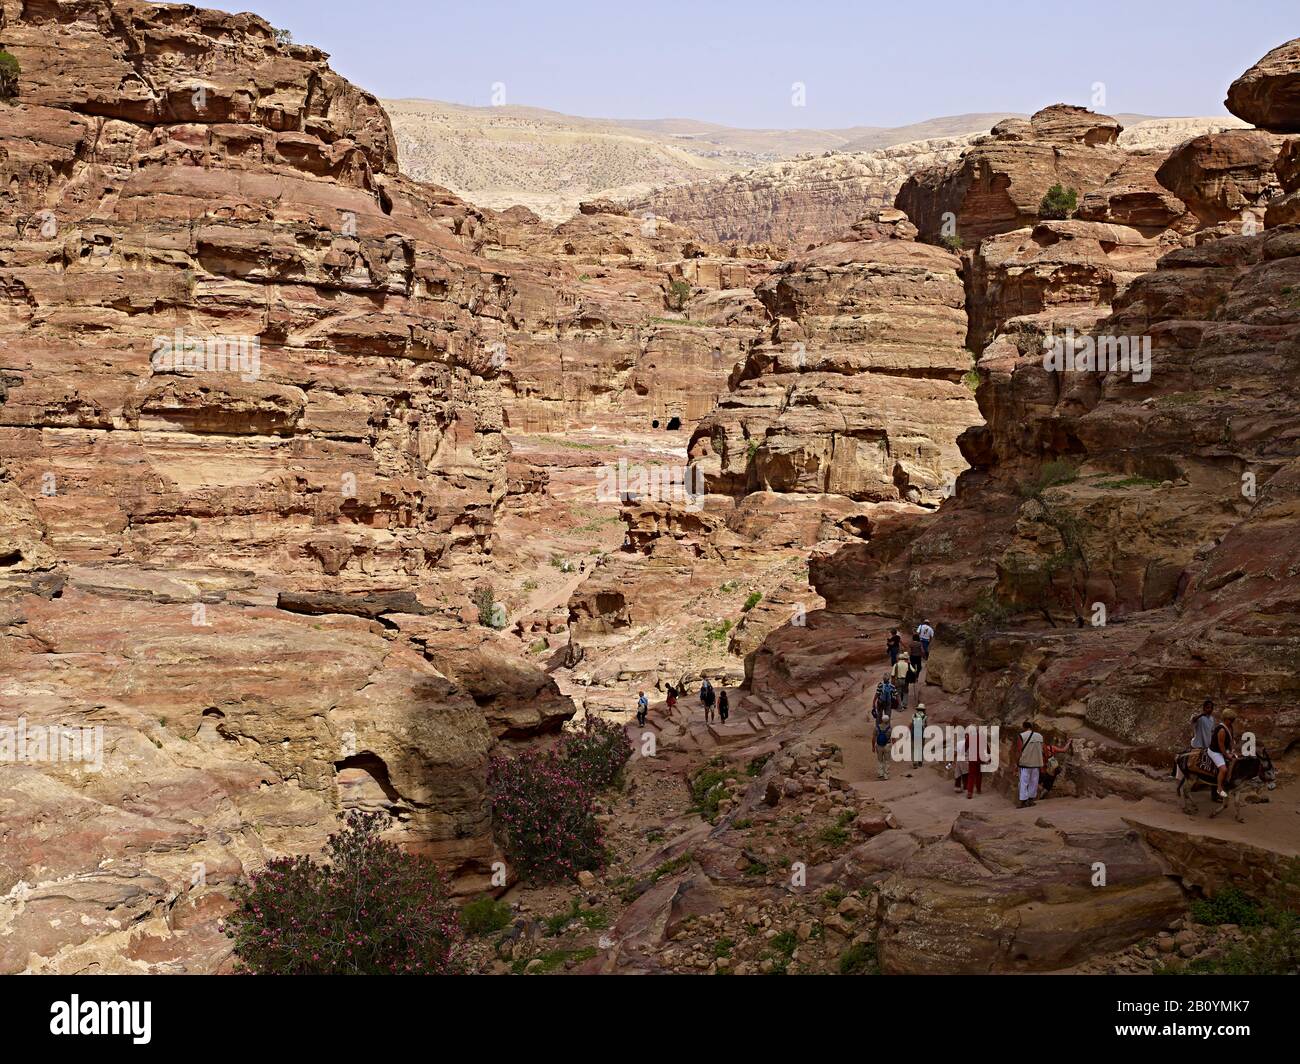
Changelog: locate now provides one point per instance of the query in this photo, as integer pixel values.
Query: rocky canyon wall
(251, 442)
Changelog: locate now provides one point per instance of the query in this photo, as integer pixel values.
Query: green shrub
(988, 615)
(755, 597)
(544, 816)
(679, 294)
(1058, 203)
(1270, 949)
(709, 788)
(716, 634)
(951, 242)
(1230, 906)
(484, 915)
(859, 959)
(9, 72)
(490, 613)
(370, 909)
(1049, 475)
(596, 754)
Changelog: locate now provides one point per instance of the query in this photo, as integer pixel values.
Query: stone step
(731, 733)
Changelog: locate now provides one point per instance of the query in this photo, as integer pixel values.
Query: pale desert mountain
(547, 161)
(809, 199)
(501, 157)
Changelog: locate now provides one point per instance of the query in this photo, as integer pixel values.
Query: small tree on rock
(1058, 203)
(9, 71)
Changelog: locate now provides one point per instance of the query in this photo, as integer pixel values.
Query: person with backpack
(672, 698)
(881, 741)
(1030, 763)
(642, 708)
(886, 700)
(1052, 767)
(894, 646)
(707, 698)
(899, 675)
(724, 710)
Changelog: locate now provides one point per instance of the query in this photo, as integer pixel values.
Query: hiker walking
(1030, 763)
(724, 709)
(881, 742)
(915, 657)
(707, 698)
(642, 708)
(894, 646)
(975, 758)
(886, 699)
(672, 698)
(899, 675)
(925, 633)
(918, 735)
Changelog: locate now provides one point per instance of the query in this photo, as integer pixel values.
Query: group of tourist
(1038, 762)
(895, 690)
(715, 702)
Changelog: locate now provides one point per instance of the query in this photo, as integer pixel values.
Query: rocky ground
(444, 512)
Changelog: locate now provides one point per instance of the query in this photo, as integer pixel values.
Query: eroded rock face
(1268, 94)
(977, 902)
(998, 183)
(798, 203)
(1220, 175)
(857, 391)
(610, 316)
(1114, 553)
(251, 433)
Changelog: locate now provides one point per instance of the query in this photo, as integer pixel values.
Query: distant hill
(549, 162)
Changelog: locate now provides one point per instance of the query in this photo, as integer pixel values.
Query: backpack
(887, 695)
(882, 735)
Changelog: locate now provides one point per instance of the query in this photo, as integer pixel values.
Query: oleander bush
(368, 909)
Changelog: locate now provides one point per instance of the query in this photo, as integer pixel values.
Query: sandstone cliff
(251, 434)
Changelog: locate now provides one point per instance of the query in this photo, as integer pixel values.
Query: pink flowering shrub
(597, 754)
(544, 815)
(372, 909)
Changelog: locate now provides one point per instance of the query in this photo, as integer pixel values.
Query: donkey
(1254, 770)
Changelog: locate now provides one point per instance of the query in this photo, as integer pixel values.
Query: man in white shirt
(925, 633)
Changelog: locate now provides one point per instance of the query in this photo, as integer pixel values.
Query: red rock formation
(1268, 94)
(998, 183)
(610, 317)
(858, 390)
(250, 433)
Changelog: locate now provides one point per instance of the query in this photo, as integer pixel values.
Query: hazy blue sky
(863, 63)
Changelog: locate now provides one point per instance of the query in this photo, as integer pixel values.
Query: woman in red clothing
(1051, 767)
(969, 761)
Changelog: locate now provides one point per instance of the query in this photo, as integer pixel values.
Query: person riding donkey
(1222, 751)
(1215, 741)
